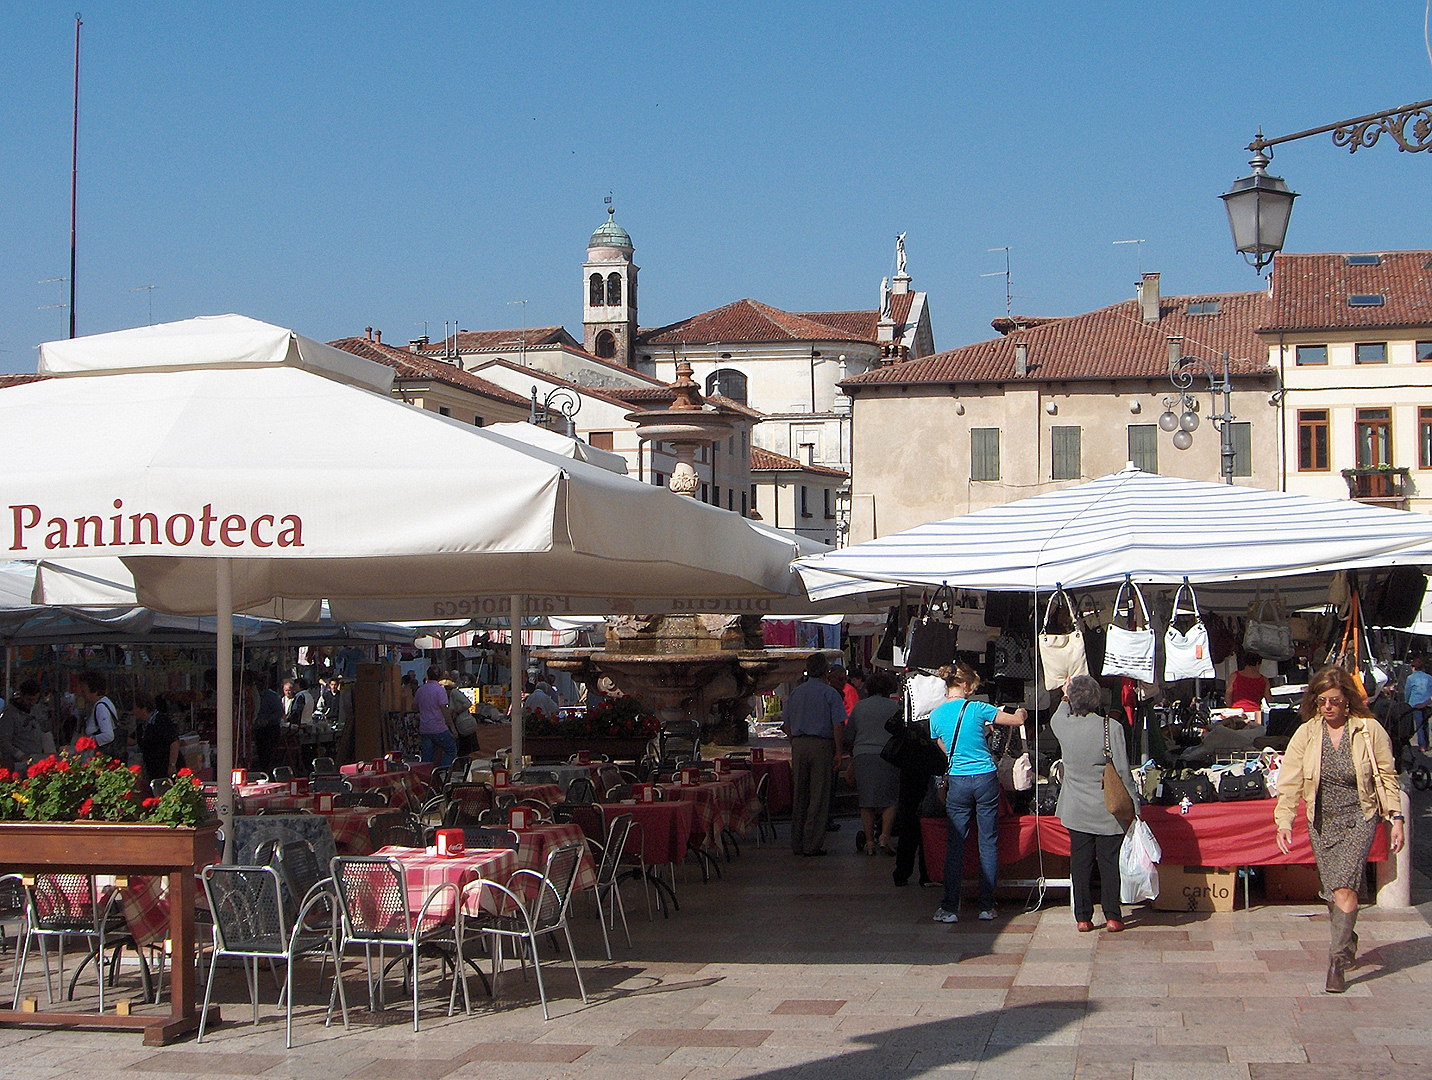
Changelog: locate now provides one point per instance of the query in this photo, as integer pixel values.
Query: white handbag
(1127, 651)
(1186, 653)
(1062, 655)
(1017, 773)
(1269, 638)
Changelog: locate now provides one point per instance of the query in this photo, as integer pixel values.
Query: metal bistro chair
(545, 913)
(609, 880)
(58, 907)
(373, 895)
(324, 766)
(251, 922)
(763, 816)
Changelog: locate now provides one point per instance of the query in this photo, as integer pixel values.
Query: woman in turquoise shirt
(959, 724)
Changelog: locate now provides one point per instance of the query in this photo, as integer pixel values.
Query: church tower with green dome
(609, 293)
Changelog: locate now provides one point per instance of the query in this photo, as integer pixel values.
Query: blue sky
(334, 166)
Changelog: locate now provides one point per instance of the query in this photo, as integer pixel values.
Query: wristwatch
(1396, 817)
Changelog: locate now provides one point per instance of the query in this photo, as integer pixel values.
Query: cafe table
(539, 841)
(729, 804)
(426, 870)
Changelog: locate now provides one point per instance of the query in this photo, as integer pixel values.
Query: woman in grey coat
(1094, 833)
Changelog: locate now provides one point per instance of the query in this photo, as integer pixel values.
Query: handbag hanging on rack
(1186, 652)
(1061, 653)
(931, 639)
(1130, 650)
(1265, 634)
(1347, 655)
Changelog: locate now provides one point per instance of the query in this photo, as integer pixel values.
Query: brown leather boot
(1340, 945)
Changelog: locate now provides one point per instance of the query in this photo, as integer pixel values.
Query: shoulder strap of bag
(1138, 595)
(1119, 601)
(1192, 600)
(955, 738)
(944, 602)
(1108, 746)
(1044, 627)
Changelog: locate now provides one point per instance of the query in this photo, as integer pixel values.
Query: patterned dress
(1342, 837)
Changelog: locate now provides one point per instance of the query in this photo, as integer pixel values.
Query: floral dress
(1341, 836)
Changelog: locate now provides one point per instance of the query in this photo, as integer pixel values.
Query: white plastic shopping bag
(1138, 864)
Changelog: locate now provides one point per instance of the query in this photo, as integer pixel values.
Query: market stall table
(1209, 834)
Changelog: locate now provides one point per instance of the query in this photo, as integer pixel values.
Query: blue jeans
(974, 797)
(439, 748)
(1420, 717)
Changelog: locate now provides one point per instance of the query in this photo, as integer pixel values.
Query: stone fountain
(700, 667)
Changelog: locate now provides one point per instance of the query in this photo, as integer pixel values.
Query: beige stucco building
(797, 495)
(1351, 337)
(1054, 402)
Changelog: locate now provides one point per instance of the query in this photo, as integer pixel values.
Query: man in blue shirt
(1418, 692)
(814, 718)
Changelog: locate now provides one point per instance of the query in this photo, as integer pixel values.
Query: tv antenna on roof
(149, 290)
(1008, 294)
(1139, 247)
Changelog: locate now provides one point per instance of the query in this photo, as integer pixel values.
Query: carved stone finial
(688, 394)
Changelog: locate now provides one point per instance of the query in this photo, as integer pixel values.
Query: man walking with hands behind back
(814, 718)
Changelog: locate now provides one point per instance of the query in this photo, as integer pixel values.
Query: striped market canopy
(1158, 529)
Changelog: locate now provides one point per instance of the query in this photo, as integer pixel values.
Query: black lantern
(1258, 210)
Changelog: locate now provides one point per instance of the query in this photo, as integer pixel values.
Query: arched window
(606, 345)
(727, 382)
(614, 290)
(596, 291)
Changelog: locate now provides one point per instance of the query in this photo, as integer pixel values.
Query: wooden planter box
(147, 850)
(559, 748)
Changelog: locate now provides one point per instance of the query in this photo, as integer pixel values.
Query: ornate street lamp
(559, 402)
(1185, 422)
(1259, 205)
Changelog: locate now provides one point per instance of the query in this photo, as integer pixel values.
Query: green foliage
(84, 785)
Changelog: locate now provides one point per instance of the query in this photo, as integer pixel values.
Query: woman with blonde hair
(1339, 762)
(960, 724)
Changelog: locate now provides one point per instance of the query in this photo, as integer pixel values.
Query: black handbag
(931, 638)
(1197, 788)
(1251, 785)
(1046, 797)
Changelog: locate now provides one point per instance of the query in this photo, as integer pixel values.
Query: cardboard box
(1298, 884)
(1198, 888)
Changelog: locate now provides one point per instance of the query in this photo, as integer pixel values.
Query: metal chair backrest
(247, 906)
(763, 788)
(283, 773)
(299, 866)
(609, 776)
(14, 901)
(555, 892)
(324, 766)
(617, 792)
(373, 798)
(393, 827)
(64, 900)
(327, 782)
(474, 797)
(581, 792)
(490, 838)
(373, 892)
(615, 849)
(589, 819)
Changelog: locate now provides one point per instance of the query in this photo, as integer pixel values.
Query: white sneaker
(946, 916)
(987, 915)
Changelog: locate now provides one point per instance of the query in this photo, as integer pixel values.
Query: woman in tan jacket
(1340, 763)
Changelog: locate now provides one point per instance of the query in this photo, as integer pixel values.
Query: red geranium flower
(4, 775)
(62, 766)
(135, 769)
(150, 803)
(185, 772)
(84, 742)
(86, 807)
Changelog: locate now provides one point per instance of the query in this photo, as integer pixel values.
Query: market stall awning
(560, 444)
(1155, 528)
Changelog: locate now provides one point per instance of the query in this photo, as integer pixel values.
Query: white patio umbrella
(1158, 529)
(231, 463)
(558, 443)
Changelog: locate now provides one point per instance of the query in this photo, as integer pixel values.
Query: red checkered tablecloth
(426, 872)
(547, 793)
(725, 804)
(660, 831)
(536, 843)
(145, 903)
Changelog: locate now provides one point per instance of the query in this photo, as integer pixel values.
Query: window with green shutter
(1064, 448)
(984, 453)
(1242, 439)
(1144, 447)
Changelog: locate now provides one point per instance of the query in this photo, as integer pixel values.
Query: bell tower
(609, 293)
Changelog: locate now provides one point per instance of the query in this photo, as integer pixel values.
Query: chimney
(369, 331)
(378, 336)
(1021, 359)
(418, 344)
(1148, 291)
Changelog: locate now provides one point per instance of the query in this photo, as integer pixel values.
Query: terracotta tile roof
(656, 396)
(1007, 323)
(857, 325)
(410, 365)
(742, 321)
(1111, 343)
(763, 460)
(609, 394)
(502, 340)
(21, 378)
(1310, 292)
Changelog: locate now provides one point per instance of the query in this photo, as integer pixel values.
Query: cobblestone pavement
(795, 967)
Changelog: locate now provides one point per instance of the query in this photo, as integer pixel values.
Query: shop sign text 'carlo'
(31, 529)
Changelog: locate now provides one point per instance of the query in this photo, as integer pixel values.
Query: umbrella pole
(516, 704)
(224, 698)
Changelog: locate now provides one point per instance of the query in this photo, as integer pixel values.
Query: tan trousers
(812, 777)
